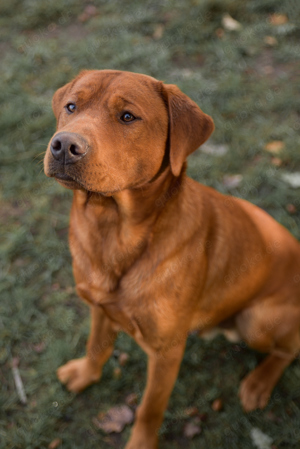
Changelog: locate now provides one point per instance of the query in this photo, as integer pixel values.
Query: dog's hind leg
(270, 326)
(80, 373)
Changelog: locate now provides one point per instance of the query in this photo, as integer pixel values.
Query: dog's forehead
(95, 83)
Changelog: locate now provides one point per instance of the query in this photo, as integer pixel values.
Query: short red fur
(158, 255)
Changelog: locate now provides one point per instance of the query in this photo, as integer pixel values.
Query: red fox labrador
(155, 253)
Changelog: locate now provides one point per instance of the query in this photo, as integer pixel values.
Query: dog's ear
(189, 127)
(57, 99)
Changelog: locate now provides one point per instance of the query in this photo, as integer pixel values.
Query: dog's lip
(69, 180)
(63, 177)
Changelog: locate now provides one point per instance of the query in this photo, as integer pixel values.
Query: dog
(155, 253)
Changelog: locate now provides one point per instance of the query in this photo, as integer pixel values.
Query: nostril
(68, 148)
(56, 145)
(74, 150)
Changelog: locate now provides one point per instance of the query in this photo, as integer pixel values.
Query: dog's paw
(141, 444)
(78, 374)
(254, 392)
(142, 437)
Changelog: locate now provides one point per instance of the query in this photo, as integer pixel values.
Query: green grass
(252, 92)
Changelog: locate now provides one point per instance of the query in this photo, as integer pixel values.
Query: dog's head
(114, 129)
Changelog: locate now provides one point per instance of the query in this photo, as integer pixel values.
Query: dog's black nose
(68, 148)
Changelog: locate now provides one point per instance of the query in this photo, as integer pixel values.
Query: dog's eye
(70, 107)
(127, 117)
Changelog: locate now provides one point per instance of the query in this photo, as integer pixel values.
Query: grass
(251, 90)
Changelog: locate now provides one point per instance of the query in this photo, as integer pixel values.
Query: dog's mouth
(70, 183)
(63, 177)
(67, 181)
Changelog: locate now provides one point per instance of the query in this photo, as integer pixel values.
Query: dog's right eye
(70, 107)
(127, 117)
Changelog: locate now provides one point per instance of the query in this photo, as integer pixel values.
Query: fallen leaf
(232, 181)
(214, 149)
(158, 32)
(293, 179)
(260, 439)
(132, 399)
(191, 429)
(117, 373)
(203, 417)
(268, 69)
(39, 347)
(191, 411)
(291, 208)
(219, 32)
(278, 19)
(115, 419)
(89, 11)
(55, 443)
(272, 417)
(271, 41)
(217, 405)
(230, 24)
(123, 358)
(275, 146)
(276, 161)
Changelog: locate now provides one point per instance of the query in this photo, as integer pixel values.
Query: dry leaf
(268, 69)
(275, 146)
(191, 429)
(158, 32)
(132, 399)
(276, 161)
(293, 179)
(271, 41)
(123, 358)
(55, 443)
(89, 11)
(115, 419)
(220, 33)
(191, 411)
(291, 208)
(232, 181)
(39, 347)
(217, 405)
(260, 439)
(117, 373)
(214, 149)
(203, 417)
(278, 19)
(230, 24)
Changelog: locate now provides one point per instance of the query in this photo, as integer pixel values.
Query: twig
(18, 380)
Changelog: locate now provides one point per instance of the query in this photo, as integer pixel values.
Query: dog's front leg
(80, 373)
(163, 369)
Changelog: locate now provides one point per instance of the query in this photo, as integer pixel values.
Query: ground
(247, 79)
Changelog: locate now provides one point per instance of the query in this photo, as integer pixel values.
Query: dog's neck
(115, 231)
(134, 207)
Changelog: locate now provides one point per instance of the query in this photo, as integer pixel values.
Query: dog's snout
(68, 148)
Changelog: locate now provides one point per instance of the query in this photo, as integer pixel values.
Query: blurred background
(239, 60)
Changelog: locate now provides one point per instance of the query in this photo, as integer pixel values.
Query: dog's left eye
(127, 117)
(70, 107)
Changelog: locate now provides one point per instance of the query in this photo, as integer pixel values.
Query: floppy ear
(189, 127)
(57, 99)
